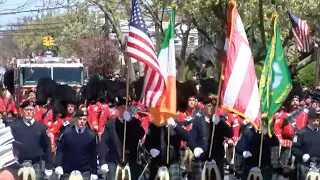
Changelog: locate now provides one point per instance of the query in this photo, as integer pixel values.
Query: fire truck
(64, 71)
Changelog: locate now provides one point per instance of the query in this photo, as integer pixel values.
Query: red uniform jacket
(286, 134)
(93, 112)
(114, 112)
(145, 121)
(48, 119)
(229, 116)
(38, 112)
(8, 107)
(104, 116)
(237, 122)
(58, 124)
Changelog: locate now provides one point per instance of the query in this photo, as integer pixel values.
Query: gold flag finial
(233, 2)
(274, 15)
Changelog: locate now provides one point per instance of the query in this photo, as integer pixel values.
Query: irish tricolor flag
(167, 63)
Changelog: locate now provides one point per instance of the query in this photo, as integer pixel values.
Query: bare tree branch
(111, 18)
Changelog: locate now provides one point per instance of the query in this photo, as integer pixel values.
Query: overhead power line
(36, 29)
(35, 10)
(34, 24)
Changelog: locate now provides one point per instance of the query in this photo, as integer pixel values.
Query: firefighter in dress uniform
(36, 143)
(77, 150)
(200, 137)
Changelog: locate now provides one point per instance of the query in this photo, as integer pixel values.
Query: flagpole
(216, 108)
(127, 101)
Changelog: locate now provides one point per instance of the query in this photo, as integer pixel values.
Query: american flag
(140, 47)
(239, 93)
(301, 32)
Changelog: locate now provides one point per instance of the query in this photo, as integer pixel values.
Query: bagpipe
(27, 172)
(314, 170)
(76, 175)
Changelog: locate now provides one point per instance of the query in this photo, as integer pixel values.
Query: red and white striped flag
(140, 47)
(239, 93)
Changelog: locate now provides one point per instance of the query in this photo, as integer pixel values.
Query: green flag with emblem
(275, 82)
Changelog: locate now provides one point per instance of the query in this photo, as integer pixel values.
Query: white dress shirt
(29, 122)
(80, 130)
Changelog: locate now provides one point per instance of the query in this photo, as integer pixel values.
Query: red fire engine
(63, 71)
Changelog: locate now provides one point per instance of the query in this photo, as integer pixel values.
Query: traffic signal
(45, 41)
(48, 41)
(51, 41)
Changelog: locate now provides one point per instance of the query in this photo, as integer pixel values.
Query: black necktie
(29, 123)
(79, 131)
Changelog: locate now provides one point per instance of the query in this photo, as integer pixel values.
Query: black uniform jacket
(306, 141)
(35, 142)
(201, 133)
(110, 147)
(157, 138)
(250, 140)
(77, 151)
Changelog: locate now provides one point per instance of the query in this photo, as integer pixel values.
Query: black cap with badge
(312, 114)
(80, 113)
(27, 103)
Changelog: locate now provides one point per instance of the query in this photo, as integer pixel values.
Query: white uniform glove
(59, 171)
(197, 152)
(93, 177)
(48, 173)
(246, 154)
(215, 119)
(105, 168)
(154, 152)
(171, 122)
(305, 157)
(126, 116)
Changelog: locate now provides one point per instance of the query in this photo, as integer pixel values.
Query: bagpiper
(111, 145)
(306, 147)
(248, 148)
(285, 127)
(164, 143)
(200, 137)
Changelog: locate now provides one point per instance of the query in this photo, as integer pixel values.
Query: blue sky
(12, 5)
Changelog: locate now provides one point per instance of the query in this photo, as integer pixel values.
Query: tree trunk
(158, 37)
(317, 59)
(180, 74)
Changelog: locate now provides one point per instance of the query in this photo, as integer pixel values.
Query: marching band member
(200, 137)
(36, 143)
(306, 144)
(66, 109)
(76, 150)
(248, 147)
(157, 143)
(286, 125)
(110, 148)
(7, 105)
